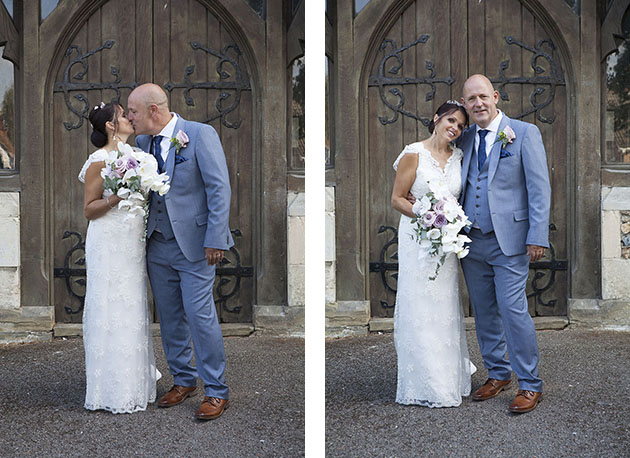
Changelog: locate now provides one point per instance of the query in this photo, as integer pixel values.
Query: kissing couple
(497, 169)
(179, 239)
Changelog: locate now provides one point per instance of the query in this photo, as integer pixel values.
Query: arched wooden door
(192, 54)
(423, 60)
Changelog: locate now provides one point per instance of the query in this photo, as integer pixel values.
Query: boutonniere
(506, 136)
(179, 141)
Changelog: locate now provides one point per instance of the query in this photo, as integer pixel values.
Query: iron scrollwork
(71, 273)
(553, 78)
(392, 77)
(540, 269)
(239, 84)
(544, 80)
(228, 274)
(387, 263)
(228, 87)
(76, 83)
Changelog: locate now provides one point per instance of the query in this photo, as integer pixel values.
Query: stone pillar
(612, 311)
(343, 318)
(17, 323)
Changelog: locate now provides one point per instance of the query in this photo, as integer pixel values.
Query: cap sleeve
(409, 149)
(97, 156)
(458, 154)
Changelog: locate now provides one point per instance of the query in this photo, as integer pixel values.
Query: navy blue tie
(157, 151)
(481, 151)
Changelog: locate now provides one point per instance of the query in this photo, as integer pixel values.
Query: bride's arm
(405, 176)
(94, 204)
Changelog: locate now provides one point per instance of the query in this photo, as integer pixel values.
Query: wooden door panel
(152, 42)
(467, 38)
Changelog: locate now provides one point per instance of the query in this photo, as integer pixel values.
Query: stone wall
(343, 318)
(17, 323)
(288, 319)
(612, 311)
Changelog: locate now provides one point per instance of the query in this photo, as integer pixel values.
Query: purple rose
(428, 219)
(440, 220)
(120, 167)
(131, 163)
(439, 206)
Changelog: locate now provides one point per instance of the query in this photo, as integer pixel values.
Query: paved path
(43, 387)
(585, 411)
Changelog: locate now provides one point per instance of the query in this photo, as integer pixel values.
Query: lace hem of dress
(115, 410)
(425, 403)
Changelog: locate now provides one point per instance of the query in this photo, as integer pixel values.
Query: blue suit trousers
(183, 296)
(496, 286)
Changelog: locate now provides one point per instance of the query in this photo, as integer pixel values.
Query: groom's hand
(214, 256)
(535, 252)
(411, 198)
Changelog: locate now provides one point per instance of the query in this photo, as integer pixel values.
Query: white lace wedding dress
(119, 361)
(434, 368)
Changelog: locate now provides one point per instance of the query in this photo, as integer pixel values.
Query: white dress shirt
(167, 133)
(491, 136)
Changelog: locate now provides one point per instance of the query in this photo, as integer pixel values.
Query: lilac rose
(440, 220)
(439, 206)
(428, 219)
(131, 163)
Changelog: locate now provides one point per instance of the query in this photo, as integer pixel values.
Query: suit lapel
(495, 152)
(170, 159)
(468, 142)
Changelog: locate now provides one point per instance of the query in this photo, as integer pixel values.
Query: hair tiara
(454, 102)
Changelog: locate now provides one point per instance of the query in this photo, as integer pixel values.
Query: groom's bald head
(148, 109)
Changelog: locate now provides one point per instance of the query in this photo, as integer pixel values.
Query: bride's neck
(438, 145)
(112, 144)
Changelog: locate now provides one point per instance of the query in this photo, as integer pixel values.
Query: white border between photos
(314, 230)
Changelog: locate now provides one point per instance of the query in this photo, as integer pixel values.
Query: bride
(434, 368)
(119, 361)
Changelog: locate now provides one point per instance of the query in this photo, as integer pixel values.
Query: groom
(506, 194)
(187, 234)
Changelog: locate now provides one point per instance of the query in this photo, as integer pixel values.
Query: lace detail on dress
(97, 156)
(434, 368)
(119, 362)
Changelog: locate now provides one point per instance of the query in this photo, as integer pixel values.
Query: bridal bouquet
(438, 221)
(131, 174)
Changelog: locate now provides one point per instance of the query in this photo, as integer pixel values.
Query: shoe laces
(214, 401)
(527, 394)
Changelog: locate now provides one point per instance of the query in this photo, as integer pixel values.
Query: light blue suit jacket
(198, 202)
(519, 194)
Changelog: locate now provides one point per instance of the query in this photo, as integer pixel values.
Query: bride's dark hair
(448, 107)
(99, 116)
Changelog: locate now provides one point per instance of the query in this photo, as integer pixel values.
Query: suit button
(160, 211)
(159, 201)
(477, 196)
(475, 206)
(478, 187)
(478, 179)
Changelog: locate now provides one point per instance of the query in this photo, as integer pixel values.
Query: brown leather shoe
(176, 395)
(211, 408)
(490, 389)
(525, 401)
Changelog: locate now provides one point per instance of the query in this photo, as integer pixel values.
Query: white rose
(434, 234)
(123, 193)
(128, 174)
(451, 210)
(463, 253)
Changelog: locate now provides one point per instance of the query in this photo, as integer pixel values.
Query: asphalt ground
(42, 414)
(585, 411)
